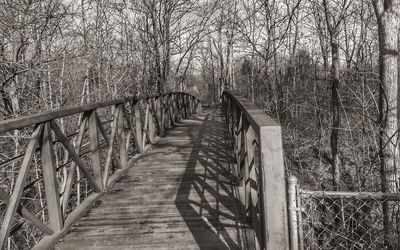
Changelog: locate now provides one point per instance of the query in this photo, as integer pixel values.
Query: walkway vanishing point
(199, 181)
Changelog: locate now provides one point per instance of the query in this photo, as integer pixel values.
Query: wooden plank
(19, 186)
(26, 214)
(50, 180)
(48, 242)
(74, 156)
(94, 148)
(272, 184)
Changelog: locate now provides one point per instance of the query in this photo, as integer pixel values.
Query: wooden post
(171, 106)
(293, 223)
(146, 124)
(193, 105)
(167, 112)
(160, 116)
(151, 127)
(199, 108)
(187, 105)
(179, 106)
(95, 149)
(273, 187)
(50, 180)
(138, 127)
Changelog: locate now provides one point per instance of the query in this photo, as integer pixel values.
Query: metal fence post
(292, 204)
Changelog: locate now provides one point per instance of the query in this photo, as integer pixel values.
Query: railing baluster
(171, 112)
(94, 148)
(185, 106)
(75, 157)
(50, 180)
(253, 187)
(165, 112)
(178, 110)
(151, 125)
(72, 169)
(160, 115)
(29, 216)
(122, 139)
(146, 124)
(175, 107)
(246, 163)
(19, 186)
(111, 146)
(131, 131)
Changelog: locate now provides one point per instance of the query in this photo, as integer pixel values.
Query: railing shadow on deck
(209, 154)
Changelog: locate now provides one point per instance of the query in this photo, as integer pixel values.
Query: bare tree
(387, 14)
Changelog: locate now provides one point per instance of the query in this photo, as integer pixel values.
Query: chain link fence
(343, 220)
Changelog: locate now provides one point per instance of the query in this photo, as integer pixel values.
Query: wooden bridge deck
(181, 195)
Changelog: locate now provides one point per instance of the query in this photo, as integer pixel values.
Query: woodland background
(327, 71)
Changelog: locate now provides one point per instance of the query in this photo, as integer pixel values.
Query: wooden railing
(257, 149)
(123, 129)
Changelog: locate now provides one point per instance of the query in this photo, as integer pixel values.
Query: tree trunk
(388, 30)
(335, 112)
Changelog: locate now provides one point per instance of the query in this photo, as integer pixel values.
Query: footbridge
(145, 172)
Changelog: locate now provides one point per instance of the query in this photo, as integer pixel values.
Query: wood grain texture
(181, 195)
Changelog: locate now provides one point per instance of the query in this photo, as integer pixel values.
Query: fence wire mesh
(338, 221)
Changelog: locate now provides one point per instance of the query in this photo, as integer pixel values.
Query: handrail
(257, 148)
(136, 123)
(24, 121)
